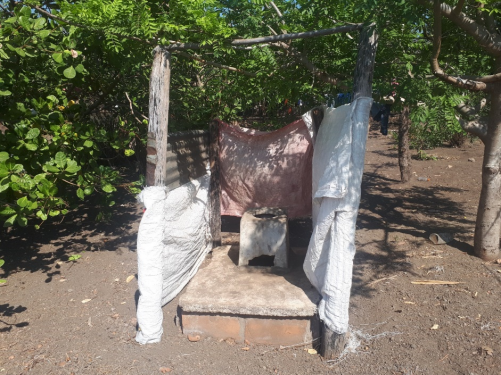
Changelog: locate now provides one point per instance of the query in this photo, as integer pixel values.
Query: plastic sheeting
(266, 169)
(173, 239)
(338, 163)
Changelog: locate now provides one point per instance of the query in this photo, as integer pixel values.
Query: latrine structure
(162, 169)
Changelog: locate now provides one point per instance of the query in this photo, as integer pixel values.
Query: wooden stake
(215, 186)
(404, 159)
(333, 343)
(156, 149)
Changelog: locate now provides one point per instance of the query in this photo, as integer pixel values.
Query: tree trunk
(156, 148)
(488, 226)
(333, 343)
(404, 160)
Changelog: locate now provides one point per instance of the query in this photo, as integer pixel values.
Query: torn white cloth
(173, 239)
(338, 163)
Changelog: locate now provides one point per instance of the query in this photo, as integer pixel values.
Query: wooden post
(333, 343)
(215, 186)
(156, 148)
(403, 145)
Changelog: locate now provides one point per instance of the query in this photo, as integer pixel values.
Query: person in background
(385, 113)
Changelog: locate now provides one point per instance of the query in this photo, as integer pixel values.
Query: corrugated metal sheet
(187, 156)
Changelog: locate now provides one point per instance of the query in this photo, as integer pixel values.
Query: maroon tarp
(266, 169)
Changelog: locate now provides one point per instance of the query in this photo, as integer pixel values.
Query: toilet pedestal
(264, 231)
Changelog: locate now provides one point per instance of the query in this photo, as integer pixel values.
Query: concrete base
(263, 305)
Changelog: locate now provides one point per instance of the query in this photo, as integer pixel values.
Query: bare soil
(63, 317)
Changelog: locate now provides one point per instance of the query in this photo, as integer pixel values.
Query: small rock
(193, 338)
(472, 160)
(165, 370)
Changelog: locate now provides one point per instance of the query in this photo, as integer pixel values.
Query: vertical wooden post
(156, 149)
(403, 145)
(215, 186)
(333, 343)
(364, 69)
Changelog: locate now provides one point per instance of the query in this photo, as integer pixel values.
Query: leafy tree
(51, 154)
(479, 24)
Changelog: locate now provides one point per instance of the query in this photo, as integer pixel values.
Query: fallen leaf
(487, 350)
(436, 282)
(312, 351)
(62, 280)
(117, 279)
(499, 271)
(86, 300)
(498, 261)
(246, 348)
(410, 303)
(123, 303)
(193, 338)
(165, 370)
(435, 326)
(130, 278)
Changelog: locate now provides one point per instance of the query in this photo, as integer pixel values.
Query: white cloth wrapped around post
(173, 239)
(338, 163)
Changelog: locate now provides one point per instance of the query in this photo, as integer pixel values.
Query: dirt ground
(63, 317)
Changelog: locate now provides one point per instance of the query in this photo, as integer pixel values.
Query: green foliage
(434, 122)
(2, 262)
(51, 155)
(74, 257)
(73, 98)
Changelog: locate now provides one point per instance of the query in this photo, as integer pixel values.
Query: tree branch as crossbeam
(292, 36)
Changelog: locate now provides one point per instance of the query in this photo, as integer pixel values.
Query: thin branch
(272, 31)
(6, 10)
(437, 36)
(459, 7)
(132, 109)
(68, 182)
(217, 65)
(276, 10)
(298, 56)
(280, 16)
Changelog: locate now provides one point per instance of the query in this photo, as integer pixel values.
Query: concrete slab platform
(224, 288)
(260, 305)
